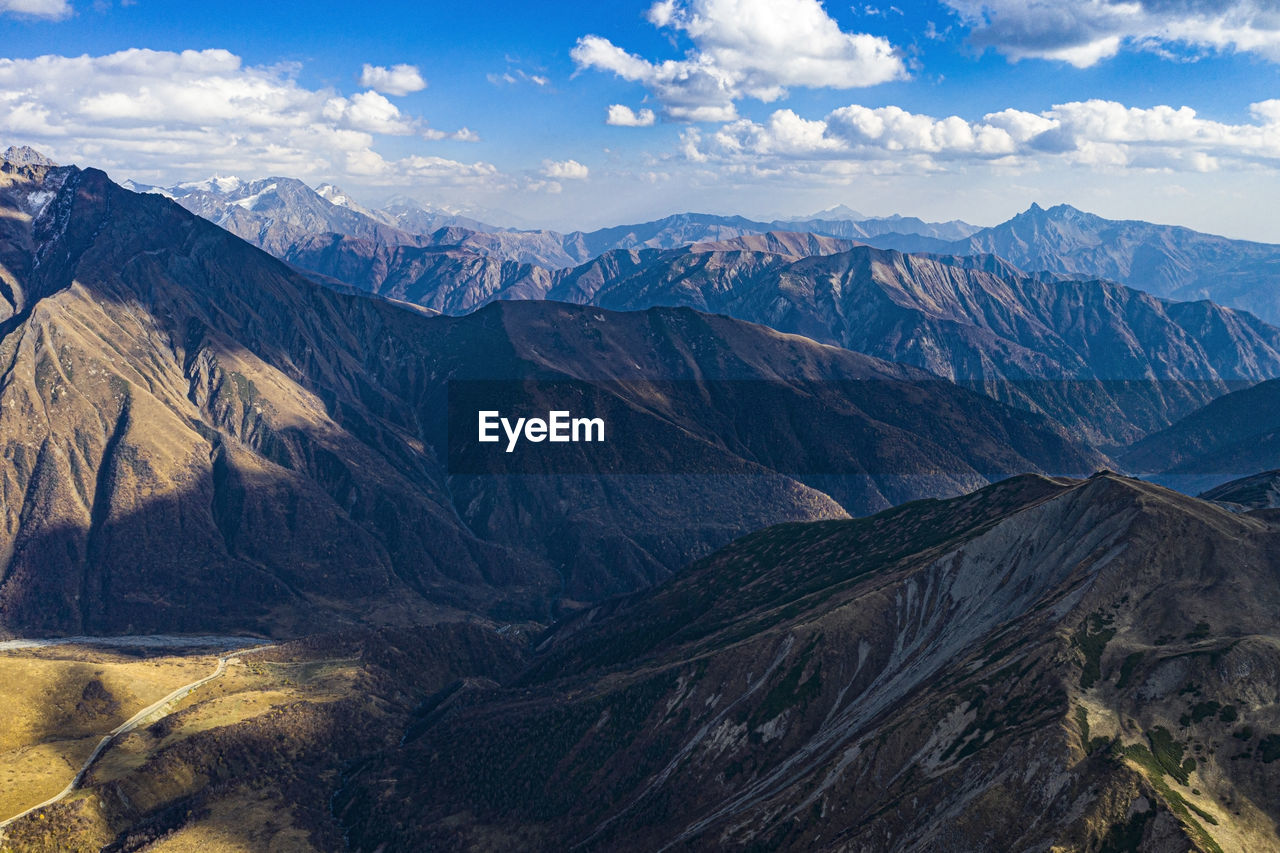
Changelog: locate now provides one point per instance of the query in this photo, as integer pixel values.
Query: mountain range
(1172, 262)
(1105, 359)
(1100, 357)
(851, 570)
(1168, 261)
(268, 212)
(178, 404)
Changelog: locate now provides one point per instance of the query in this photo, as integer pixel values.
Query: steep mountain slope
(196, 437)
(1261, 491)
(1233, 436)
(967, 318)
(1073, 665)
(193, 438)
(453, 279)
(274, 213)
(1169, 261)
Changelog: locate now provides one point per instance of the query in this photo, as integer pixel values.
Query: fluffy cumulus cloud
(52, 9)
(745, 49)
(1082, 32)
(396, 80)
(162, 114)
(1095, 133)
(620, 115)
(562, 170)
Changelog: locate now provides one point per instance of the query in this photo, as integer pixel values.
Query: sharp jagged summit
(25, 155)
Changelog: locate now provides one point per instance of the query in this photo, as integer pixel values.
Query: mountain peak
(26, 156)
(839, 211)
(212, 184)
(335, 195)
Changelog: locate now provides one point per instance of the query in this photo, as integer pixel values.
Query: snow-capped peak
(135, 187)
(333, 195)
(249, 201)
(214, 184)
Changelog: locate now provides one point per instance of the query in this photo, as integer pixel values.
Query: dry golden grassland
(60, 701)
(64, 699)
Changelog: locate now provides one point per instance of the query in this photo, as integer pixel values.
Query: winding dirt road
(128, 726)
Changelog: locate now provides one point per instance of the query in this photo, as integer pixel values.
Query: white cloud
(1093, 133)
(512, 76)
(164, 115)
(621, 115)
(53, 9)
(368, 111)
(1084, 32)
(745, 49)
(570, 170)
(396, 80)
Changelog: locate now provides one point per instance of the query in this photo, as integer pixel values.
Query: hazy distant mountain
(275, 213)
(1045, 664)
(198, 438)
(1234, 436)
(1169, 261)
(839, 211)
(967, 318)
(686, 228)
(418, 218)
(887, 226)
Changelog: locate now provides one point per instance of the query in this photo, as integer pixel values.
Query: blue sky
(1166, 110)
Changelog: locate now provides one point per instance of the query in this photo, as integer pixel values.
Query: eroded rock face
(1040, 665)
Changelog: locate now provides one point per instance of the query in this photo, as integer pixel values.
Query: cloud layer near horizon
(1095, 133)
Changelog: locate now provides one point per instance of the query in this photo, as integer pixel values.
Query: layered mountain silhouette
(1169, 261)
(1044, 664)
(1105, 359)
(1112, 361)
(198, 437)
(273, 212)
(1259, 491)
(1172, 262)
(1235, 435)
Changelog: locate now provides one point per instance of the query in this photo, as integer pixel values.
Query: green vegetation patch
(1092, 639)
(1269, 748)
(1127, 837)
(1127, 669)
(1156, 762)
